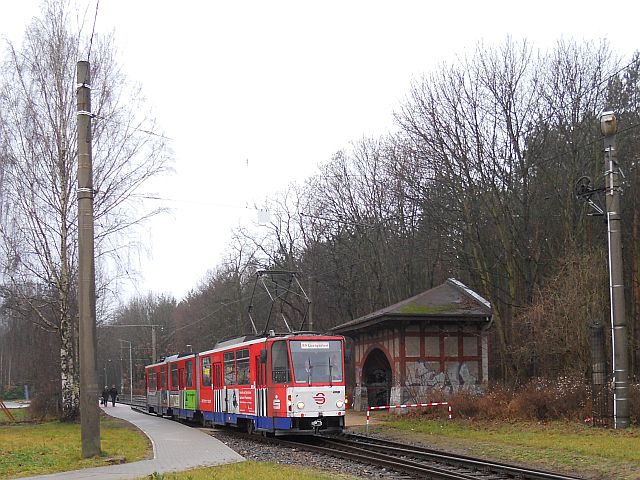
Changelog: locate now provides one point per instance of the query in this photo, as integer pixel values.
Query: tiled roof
(452, 299)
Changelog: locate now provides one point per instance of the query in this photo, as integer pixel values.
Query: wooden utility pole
(89, 413)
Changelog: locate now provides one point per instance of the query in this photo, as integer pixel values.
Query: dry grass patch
(562, 446)
(19, 414)
(35, 449)
(245, 470)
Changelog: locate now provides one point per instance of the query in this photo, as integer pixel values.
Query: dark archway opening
(377, 378)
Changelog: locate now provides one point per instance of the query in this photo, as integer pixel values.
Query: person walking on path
(114, 393)
(105, 396)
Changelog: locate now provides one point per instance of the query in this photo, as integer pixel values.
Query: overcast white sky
(284, 85)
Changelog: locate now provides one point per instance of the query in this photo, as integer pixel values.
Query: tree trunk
(69, 376)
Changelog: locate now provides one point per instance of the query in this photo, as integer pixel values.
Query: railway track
(411, 461)
(423, 462)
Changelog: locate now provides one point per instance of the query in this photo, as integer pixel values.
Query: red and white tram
(282, 384)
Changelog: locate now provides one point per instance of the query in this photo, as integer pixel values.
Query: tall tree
(38, 147)
(493, 130)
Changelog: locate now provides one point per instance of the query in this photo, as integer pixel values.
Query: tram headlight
(340, 404)
(300, 405)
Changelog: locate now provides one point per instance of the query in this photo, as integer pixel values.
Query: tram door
(260, 362)
(182, 375)
(217, 387)
(261, 372)
(217, 375)
(164, 389)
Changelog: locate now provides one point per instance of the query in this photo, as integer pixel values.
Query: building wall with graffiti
(406, 364)
(435, 340)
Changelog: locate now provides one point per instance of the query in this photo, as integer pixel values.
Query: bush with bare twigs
(541, 399)
(46, 402)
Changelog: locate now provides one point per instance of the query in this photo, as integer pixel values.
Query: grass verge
(20, 415)
(245, 470)
(34, 449)
(594, 453)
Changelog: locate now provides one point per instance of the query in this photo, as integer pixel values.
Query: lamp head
(608, 123)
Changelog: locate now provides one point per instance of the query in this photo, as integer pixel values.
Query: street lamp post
(153, 336)
(106, 367)
(121, 375)
(609, 128)
(130, 371)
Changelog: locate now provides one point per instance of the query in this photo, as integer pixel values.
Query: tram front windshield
(316, 361)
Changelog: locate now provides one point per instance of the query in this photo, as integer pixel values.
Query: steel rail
(380, 460)
(463, 461)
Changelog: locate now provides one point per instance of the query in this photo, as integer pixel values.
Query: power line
(589, 143)
(357, 224)
(589, 90)
(337, 220)
(93, 30)
(137, 129)
(195, 202)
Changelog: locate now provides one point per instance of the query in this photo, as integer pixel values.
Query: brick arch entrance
(377, 378)
(420, 341)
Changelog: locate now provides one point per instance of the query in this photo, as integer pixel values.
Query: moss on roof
(426, 309)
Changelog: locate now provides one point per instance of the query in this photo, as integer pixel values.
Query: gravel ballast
(268, 452)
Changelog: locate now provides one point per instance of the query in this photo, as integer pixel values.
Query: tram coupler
(316, 424)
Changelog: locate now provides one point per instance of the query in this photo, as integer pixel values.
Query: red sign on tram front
(319, 398)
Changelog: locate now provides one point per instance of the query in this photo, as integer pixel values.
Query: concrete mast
(612, 173)
(89, 414)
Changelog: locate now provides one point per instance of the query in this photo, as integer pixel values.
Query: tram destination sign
(314, 345)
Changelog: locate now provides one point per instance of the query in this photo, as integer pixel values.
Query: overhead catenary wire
(602, 83)
(146, 196)
(242, 298)
(590, 143)
(136, 129)
(95, 116)
(582, 146)
(93, 30)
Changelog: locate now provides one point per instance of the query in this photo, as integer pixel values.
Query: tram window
(206, 372)
(174, 377)
(189, 373)
(280, 372)
(317, 361)
(242, 364)
(163, 372)
(229, 369)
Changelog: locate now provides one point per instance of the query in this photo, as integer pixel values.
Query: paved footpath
(176, 447)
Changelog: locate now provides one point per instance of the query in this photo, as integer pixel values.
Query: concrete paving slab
(16, 404)
(176, 447)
